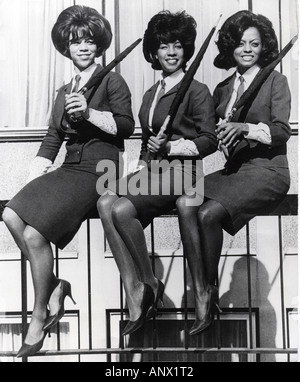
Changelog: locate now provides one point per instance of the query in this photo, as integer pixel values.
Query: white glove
(39, 166)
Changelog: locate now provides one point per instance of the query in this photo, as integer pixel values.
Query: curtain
(31, 69)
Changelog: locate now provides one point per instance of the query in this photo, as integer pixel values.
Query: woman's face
(170, 56)
(248, 52)
(83, 52)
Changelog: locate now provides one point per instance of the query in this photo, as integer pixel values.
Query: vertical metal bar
(280, 33)
(108, 336)
(249, 285)
(281, 283)
(89, 283)
(117, 32)
(24, 298)
(154, 331)
(186, 342)
(57, 275)
(104, 14)
(122, 313)
(250, 5)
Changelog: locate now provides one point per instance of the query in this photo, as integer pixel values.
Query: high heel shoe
(212, 304)
(159, 298)
(65, 291)
(30, 350)
(147, 301)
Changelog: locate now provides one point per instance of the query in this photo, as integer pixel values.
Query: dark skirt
(154, 193)
(247, 191)
(56, 204)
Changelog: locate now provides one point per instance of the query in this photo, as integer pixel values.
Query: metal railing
(289, 207)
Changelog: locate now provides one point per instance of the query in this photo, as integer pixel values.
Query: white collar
(173, 79)
(249, 75)
(86, 74)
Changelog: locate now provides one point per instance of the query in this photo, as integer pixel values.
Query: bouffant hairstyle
(231, 33)
(166, 27)
(77, 22)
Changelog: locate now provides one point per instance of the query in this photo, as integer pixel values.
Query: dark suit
(271, 106)
(91, 142)
(194, 119)
(257, 176)
(56, 203)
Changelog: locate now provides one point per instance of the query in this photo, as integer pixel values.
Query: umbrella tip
(294, 39)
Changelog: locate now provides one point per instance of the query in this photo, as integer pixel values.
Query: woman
(256, 174)
(51, 208)
(168, 45)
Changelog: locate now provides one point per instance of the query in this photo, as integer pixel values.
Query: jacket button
(77, 152)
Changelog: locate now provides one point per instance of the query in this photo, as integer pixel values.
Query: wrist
(86, 113)
(245, 129)
(168, 147)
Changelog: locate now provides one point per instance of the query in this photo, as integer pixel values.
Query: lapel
(225, 94)
(91, 91)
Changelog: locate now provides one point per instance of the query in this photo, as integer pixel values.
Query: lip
(172, 61)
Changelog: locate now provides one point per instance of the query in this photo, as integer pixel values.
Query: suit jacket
(271, 106)
(195, 118)
(87, 141)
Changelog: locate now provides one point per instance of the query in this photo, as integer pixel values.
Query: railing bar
(122, 313)
(24, 298)
(108, 335)
(57, 275)
(249, 285)
(154, 323)
(159, 350)
(186, 339)
(281, 283)
(89, 283)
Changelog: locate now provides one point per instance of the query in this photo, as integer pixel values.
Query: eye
(163, 46)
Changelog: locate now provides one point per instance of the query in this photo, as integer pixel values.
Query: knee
(8, 216)
(206, 216)
(122, 211)
(184, 208)
(181, 204)
(32, 238)
(104, 205)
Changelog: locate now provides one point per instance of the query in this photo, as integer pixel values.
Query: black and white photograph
(149, 183)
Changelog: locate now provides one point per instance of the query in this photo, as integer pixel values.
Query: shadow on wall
(232, 331)
(237, 297)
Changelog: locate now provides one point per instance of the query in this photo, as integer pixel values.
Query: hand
(230, 133)
(76, 103)
(159, 144)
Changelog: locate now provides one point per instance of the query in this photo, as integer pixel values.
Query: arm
(201, 109)
(268, 119)
(119, 98)
(118, 120)
(52, 141)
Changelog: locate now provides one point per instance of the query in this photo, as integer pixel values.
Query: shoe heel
(69, 293)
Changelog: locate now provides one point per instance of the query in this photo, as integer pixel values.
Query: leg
(211, 216)
(41, 261)
(17, 226)
(131, 230)
(132, 283)
(190, 236)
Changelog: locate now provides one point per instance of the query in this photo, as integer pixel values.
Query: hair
(231, 34)
(77, 22)
(166, 27)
